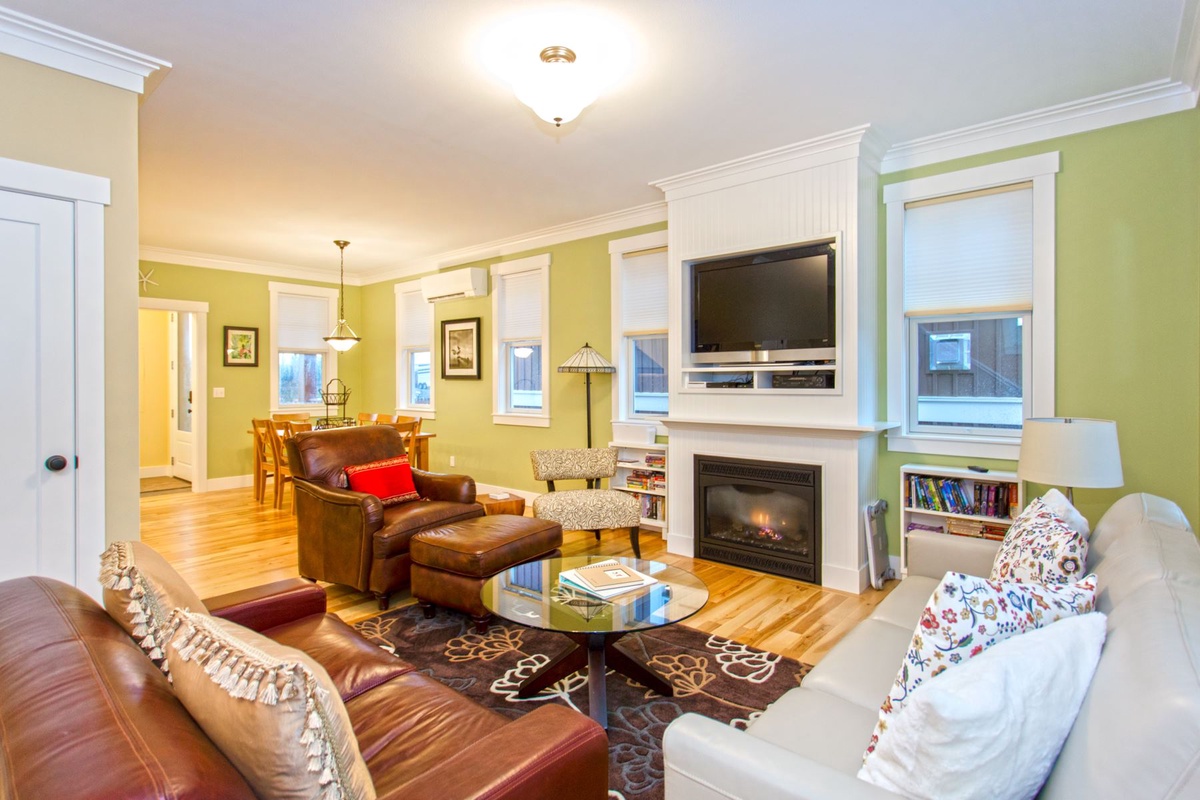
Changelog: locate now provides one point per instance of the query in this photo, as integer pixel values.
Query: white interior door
(181, 351)
(38, 470)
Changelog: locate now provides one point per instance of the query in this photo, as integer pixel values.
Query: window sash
(523, 379)
(638, 394)
(412, 390)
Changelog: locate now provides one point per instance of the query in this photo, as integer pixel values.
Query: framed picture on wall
(460, 348)
(241, 346)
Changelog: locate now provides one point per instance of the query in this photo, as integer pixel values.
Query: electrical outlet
(218, 391)
(452, 461)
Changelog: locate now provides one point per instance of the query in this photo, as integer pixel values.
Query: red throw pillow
(391, 480)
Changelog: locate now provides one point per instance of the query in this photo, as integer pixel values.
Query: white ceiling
(285, 124)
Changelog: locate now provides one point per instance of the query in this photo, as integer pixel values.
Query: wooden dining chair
(264, 456)
(366, 419)
(409, 430)
(384, 419)
(292, 417)
(290, 429)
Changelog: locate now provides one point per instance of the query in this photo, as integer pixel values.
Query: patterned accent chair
(590, 509)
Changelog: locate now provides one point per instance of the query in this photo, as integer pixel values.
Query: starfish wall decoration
(144, 280)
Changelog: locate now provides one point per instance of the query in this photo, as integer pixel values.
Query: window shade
(644, 293)
(969, 254)
(416, 320)
(521, 311)
(303, 322)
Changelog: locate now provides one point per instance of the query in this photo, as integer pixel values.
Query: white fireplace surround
(816, 190)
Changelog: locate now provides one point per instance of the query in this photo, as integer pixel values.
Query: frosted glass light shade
(557, 91)
(1070, 451)
(343, 337)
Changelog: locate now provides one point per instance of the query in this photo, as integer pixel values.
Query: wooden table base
(596, 652)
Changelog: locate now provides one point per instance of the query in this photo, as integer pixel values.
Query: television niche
(773, 307)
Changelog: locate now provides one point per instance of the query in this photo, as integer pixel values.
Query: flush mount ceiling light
(342, 338)
(557, 61)
(556, 88)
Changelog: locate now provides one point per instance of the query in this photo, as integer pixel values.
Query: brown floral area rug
(716, 677)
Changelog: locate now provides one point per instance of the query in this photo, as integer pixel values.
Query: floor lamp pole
(587, 382)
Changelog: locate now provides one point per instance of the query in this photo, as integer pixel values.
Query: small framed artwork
(460, 348)
(241, 346)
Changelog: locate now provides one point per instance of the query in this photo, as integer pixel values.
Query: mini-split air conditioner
(454, 285)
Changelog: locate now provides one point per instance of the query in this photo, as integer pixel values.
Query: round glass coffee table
(530, 594)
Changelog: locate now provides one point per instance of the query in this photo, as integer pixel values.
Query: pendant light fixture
(342, 338)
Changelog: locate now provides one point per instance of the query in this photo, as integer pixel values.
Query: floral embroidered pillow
(1040, 547)
(966, 615)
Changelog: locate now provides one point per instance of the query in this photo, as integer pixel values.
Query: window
(521, 341)
(970, 260)
(639, 303)
(414, 339)
(301, 361)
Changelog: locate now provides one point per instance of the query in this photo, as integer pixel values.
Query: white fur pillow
(993, 727)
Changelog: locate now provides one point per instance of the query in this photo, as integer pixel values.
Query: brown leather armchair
(348, 537)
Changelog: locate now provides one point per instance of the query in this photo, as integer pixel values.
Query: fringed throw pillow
(271, 709)
(966, 615)
(141, 590)
(391, 480)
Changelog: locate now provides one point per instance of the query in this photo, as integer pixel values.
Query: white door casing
(182, 377)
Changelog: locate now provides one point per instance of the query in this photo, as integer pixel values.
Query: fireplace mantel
(814, 428)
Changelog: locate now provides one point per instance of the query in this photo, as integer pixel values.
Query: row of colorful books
(964, 527)
(640, 479)
(951, 496)
(652, 506)
(658, 460)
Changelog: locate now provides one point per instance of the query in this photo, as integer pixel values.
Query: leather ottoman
(451, 563)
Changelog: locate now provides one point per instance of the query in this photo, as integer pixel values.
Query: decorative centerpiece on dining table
(335, 396)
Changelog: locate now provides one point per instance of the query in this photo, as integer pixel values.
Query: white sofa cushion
(837, 742)
(1023, 693)
(862, 668)
(964, 616)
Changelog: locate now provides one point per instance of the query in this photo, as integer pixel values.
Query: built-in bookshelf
(954, 501)
(642, 471)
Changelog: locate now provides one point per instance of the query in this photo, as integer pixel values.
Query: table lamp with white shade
(1071, 452)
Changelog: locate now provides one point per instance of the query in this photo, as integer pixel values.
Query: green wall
(1127, 319)
(243, 299)
(499, 454)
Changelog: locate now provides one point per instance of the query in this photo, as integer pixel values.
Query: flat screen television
(773, 307)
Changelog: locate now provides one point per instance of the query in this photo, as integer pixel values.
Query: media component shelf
(819, 378)
(642, 471)
(953, 501)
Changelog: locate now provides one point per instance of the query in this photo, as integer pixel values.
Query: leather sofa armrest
(263, 607)
(370, 505)
(932, 554)
(439, 486)
(707, 760)
(552, 751)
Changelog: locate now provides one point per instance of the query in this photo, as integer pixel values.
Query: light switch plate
(218, 391)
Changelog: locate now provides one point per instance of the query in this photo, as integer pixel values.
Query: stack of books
(976, 528)
(605, 579)
(641, 479)
(656, 460)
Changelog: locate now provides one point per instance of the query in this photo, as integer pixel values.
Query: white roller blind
(644, 293)
(303, 321)
(969, 254)
(416, 320)
(522, 306)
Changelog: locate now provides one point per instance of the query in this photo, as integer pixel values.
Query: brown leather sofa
(348, 537)
(85, 714)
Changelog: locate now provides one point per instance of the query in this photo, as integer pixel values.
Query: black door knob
(56, 463)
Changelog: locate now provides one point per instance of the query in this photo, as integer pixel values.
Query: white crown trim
(568, 232)
(1091, 113)
(187, 259)
(52, 46)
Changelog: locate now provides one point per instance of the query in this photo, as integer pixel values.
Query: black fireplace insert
(764, 515)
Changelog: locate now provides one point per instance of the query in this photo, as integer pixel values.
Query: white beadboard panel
(847, 459)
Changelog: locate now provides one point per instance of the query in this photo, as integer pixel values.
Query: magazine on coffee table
(618, 579)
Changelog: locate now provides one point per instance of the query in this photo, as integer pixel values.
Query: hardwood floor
(223, 541)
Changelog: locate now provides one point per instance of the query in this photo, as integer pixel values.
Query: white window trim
(618, 251)
(501, 414)
(276, 288)
(1041, 170)
(402, 376)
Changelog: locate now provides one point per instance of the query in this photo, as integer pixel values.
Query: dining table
(421, 453)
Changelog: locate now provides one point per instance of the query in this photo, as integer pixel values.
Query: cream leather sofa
(1136, 736)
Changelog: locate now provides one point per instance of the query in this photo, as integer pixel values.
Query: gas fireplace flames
(765, 531)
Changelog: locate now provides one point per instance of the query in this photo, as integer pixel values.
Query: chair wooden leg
(633, 540)
(597, 535)
(481, 622)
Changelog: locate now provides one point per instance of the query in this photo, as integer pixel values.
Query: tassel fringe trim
(248, 674)
(119, 573)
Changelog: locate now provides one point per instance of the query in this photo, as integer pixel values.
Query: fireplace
(764, 515)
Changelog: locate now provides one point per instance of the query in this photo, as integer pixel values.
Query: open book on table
(605, 579)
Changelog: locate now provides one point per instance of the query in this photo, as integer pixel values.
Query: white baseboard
(155, 472)
(232, 482)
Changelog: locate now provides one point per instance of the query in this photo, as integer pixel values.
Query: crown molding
(1091, 113)
(581, 229)
(839, 146)
(42, 43)
(207, 261)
